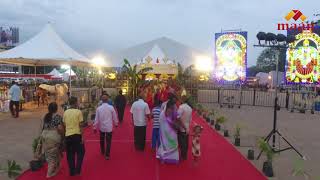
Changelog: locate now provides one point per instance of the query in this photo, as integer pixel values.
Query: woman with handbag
(52, 136)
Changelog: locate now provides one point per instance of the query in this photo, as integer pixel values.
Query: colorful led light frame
(303, 58)
(231, 56)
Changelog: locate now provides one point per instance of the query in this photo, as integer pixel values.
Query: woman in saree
(52, 134)
(168, 150)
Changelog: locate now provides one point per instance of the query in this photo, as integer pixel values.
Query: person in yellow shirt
(72, 119)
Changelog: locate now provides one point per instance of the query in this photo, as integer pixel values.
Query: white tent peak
(45, 48)
(173, 50)
(156, 56)
(55, 73)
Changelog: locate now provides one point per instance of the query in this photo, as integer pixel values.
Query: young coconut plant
(12, 169)
(268, 151)
(220, 120)
(39, 158)
(299, 169)
(237, 135)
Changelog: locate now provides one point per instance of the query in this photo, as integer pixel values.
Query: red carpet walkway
(220, 160)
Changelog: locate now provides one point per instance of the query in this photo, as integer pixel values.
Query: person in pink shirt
(105, 117)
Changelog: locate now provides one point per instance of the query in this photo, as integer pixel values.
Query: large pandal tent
(45, 49)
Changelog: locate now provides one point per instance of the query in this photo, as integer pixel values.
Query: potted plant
(12, 169)
(199, 109)
(237, 135)
(302, 108)
(299, 169)
(250, 155)
(220, 120)
(268, 151)
(205, 115)
(225, 133)
(211, 116)
(38, 160)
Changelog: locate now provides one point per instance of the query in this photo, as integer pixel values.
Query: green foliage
(191, 102)
(35, 143)
(85, 113)
(12, 170)
(221, 120)
(199, 107)
(267, 61)
(266, 149)
(133, 74)
(254, 70)
(237, 131)
(299, 170)
(211, 113)
(183, 74)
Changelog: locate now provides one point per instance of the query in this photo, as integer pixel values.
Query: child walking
(155, 131)
(196, 134)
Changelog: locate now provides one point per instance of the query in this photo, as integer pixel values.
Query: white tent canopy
(55, 73)
(161, 48)
(66, 75)
(46, 48)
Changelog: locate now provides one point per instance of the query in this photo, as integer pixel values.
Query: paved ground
(302, 130)
(16, 135)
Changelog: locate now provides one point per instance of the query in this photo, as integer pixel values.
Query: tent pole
(35, 76)
(70, 81)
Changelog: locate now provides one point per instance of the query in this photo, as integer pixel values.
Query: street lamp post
(277, 42)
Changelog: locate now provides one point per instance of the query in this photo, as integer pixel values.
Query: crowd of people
(171, 119)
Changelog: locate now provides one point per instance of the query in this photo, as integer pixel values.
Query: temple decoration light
(231, 56)
(204, 77)
(303, 59)
(124, 91)
(112, 76)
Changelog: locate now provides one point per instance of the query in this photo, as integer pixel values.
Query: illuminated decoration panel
(231, 56)
(302, 62)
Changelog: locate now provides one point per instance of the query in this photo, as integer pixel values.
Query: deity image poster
(302, 62)
(231, 56)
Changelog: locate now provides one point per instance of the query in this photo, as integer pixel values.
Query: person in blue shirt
(14, 93)
(155, 131)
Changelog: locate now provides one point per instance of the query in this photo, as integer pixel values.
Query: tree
(253, 70)
(266, 61)
(134, 76)
(82, 74)
(183, 74)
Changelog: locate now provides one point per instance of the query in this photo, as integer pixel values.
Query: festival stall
(4, 99)
(44, 49)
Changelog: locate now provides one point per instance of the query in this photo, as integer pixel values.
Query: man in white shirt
(14, 93)
(140, 113)
(105, 117)
(184, 115)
